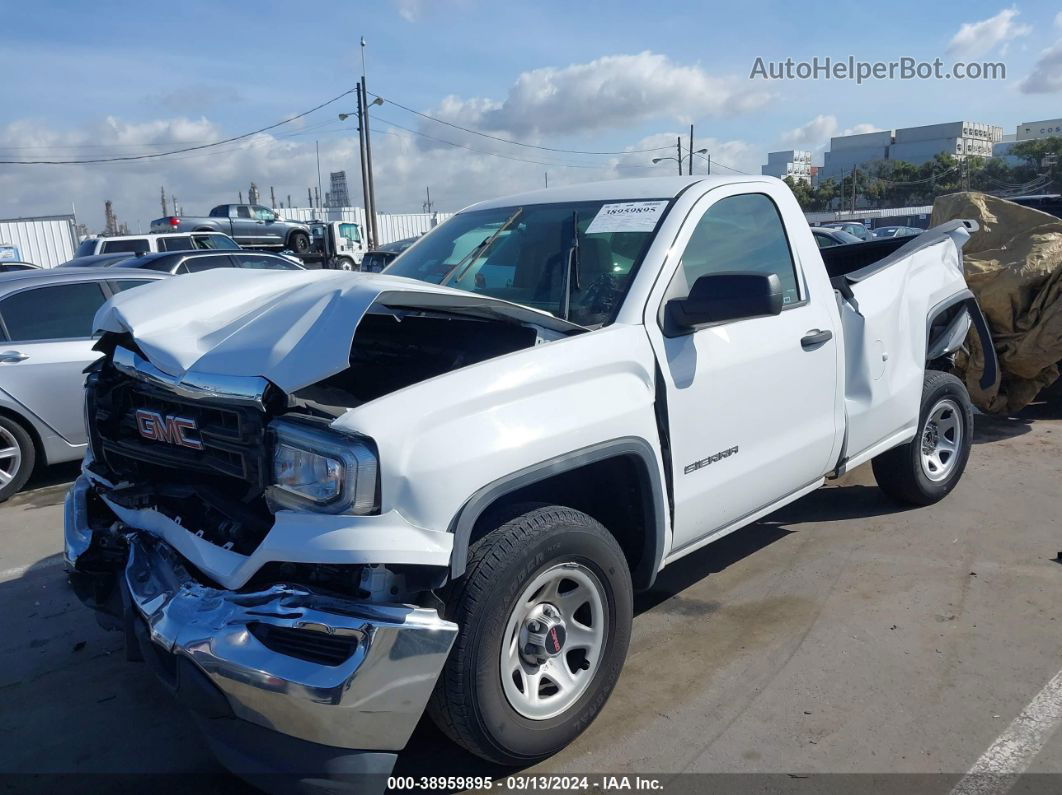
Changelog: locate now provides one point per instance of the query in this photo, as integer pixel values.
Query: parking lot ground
(841, 634)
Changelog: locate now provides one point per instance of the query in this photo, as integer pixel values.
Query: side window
(208, 263)
(263, 213)
(263, 262)
(119, 285)
(242, 211)
(182, 243)
(741, 233)
(86, 248)
(214, 242)
(63, 311)
(350, 232)
(221, 211)
(138, 245)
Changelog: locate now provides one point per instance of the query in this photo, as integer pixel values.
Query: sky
(116, 79)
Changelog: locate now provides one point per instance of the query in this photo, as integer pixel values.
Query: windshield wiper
(571, 268)
(457, 272)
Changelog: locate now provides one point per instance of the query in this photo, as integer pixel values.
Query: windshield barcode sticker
(627, 217)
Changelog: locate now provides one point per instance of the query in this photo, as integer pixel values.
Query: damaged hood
(292, 327)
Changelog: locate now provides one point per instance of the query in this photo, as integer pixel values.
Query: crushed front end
(304, 645)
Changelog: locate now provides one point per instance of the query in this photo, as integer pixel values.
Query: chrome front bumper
(370, 701)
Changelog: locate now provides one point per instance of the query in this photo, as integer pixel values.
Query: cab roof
(641, 188)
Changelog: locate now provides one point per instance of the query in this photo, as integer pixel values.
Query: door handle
(814, 338)
(13, 356)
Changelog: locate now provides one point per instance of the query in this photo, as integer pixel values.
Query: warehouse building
(794, 163)
(1031, 130)
(915, 145)
(43, 240)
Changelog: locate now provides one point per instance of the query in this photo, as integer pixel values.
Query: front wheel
(345, 264)
(927, 468)
(544, 612)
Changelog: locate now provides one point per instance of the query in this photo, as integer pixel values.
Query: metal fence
(44, 241)
(865, 215)
(392, 226)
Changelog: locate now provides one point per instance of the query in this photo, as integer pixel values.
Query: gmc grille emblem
(167, 428)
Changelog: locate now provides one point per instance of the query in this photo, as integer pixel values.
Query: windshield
(523, 255)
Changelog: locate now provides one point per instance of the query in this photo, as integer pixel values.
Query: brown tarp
(1014, 266)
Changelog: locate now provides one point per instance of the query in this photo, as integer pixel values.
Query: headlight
(318, 469)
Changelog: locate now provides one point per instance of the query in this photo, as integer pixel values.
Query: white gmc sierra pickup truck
(320, 503)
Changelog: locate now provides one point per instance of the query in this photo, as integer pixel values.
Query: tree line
(896, 183)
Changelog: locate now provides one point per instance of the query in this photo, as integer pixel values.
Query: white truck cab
(331, 502)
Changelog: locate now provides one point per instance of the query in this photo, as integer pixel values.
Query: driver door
(752, 410)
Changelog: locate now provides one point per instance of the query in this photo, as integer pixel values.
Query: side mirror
(717, 297)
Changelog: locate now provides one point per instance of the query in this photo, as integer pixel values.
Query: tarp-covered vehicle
(1013, 264)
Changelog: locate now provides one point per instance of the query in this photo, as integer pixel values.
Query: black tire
(299, 242)
(900, 472)
(469, 703)
(346, 264)
(27, 456)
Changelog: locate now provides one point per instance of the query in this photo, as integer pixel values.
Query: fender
(465, 520)
(980, 325)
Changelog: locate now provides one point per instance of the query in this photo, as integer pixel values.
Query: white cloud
(1058, 20)
(409, 10)
(286, 160)
(609, 92)
(978, 38)
(816, 134)
(613, 92)
(1046, 76)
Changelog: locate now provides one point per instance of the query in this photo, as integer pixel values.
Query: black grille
(305, 644)
(232, 436)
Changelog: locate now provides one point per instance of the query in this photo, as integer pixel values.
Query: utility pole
(709, 162)
(317, 198)
(678, 147)
(368, 152)
(241, 197)
(273, 197)
(366, 197)
(309, 197)
(174, 200)
(317, 144)
(546, 175)
(690, 169)
(289, 201)
(164, 210)
(427, 205)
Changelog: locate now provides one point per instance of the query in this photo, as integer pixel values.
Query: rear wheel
(18, 455)
(927, 468)
(300, 242)
(544, 612)
(345, 264)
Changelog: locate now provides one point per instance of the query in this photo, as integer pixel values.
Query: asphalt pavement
(840, 635)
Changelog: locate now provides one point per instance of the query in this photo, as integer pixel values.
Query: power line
(486, 152)
(176, 151)
(510, 140)
(715, 162)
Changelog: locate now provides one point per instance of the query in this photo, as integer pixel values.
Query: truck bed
(857, 261)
